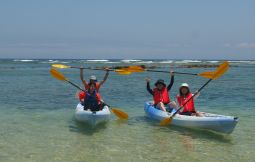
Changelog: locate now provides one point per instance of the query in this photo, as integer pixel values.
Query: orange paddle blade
(60, 66)
(57, 75)
(122, 71)
(221, 70)
(119, 113)
(166, 121)
(135, 68)
(207, 74)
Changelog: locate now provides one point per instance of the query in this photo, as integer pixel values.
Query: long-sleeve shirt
(168, 87)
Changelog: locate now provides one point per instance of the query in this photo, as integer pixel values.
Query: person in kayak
(183, 96)
(93, 79)
(92, 99)
(160, 94)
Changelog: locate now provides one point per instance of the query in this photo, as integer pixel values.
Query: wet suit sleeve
(149, 88)
(171, 84)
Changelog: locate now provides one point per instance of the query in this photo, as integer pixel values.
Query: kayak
(92, 118)
(214, 122)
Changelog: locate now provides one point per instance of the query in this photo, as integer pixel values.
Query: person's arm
(105, 77)
(171, 82)
(197, 94)
(82, 78)
(148, 86)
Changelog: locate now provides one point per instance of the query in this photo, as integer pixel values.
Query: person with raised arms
(93, 80)
(160, 94)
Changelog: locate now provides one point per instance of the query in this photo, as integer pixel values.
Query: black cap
(160, 81)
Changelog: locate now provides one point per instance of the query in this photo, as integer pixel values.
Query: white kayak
(218, 123)
(92, 118)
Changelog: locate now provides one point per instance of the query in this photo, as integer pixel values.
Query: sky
(130, 29)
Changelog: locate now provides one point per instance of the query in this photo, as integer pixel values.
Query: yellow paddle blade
(166, 121)
(60, 66)
(207, 74)
(135, 68)
(221, 70)
(122, 72)
(57, 75)
(120, 114)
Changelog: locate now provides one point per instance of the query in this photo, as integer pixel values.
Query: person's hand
(107, 69)
(148, 79)
(197, 93)
(171, 73)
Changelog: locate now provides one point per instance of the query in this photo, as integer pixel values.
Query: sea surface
(37, 121)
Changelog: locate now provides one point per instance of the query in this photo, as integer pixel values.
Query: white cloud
(245, 45)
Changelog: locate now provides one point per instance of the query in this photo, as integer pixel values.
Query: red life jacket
(82, 95)
(190, 106)
(161, 96)
(97, 87)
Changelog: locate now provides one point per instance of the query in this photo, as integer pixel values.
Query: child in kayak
(93, 79)
(184, 95)
(160, 94)
(92, 99)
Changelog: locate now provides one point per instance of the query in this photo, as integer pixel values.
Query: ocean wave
(97, 60)
(166, 62)
(145, 62)
(187, 61)
(24, 60)
(112, 62)
(212, 61)
(241, 61)
(128, 61)
(54, 61)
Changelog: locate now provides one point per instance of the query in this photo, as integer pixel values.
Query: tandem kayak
(92, 118)
(218, 123)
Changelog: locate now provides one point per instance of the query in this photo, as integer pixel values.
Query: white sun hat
(184, 85)
(93, 77)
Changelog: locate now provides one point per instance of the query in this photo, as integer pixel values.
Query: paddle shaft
(191, 97)
(75, 85)
(75, 67)
(160, 71)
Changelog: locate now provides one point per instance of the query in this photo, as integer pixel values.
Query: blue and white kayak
(214, 122)
(92, 118)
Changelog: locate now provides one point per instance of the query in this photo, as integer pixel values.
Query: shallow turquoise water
(37, 117)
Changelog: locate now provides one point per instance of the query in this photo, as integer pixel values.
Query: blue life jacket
(91, 101)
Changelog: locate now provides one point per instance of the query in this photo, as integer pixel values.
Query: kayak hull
(214, 122)
(92, 118)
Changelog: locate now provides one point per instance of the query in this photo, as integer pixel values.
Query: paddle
(142, 68)
(119, 71)
(215, 75)
(126, 70)
(59, 76)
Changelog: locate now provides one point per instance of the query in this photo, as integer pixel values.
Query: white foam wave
(128, 61)
(24, 60)
(97, 60)
(212, 61)
(145, 62)
(187, 61)
(166, 62)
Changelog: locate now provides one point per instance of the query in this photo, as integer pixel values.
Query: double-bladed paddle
(119, 71)
(126, 70)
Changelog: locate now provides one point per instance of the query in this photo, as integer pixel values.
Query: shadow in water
(79, 127)
(187, 132)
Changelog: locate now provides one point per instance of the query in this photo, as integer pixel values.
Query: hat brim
(160, 83)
